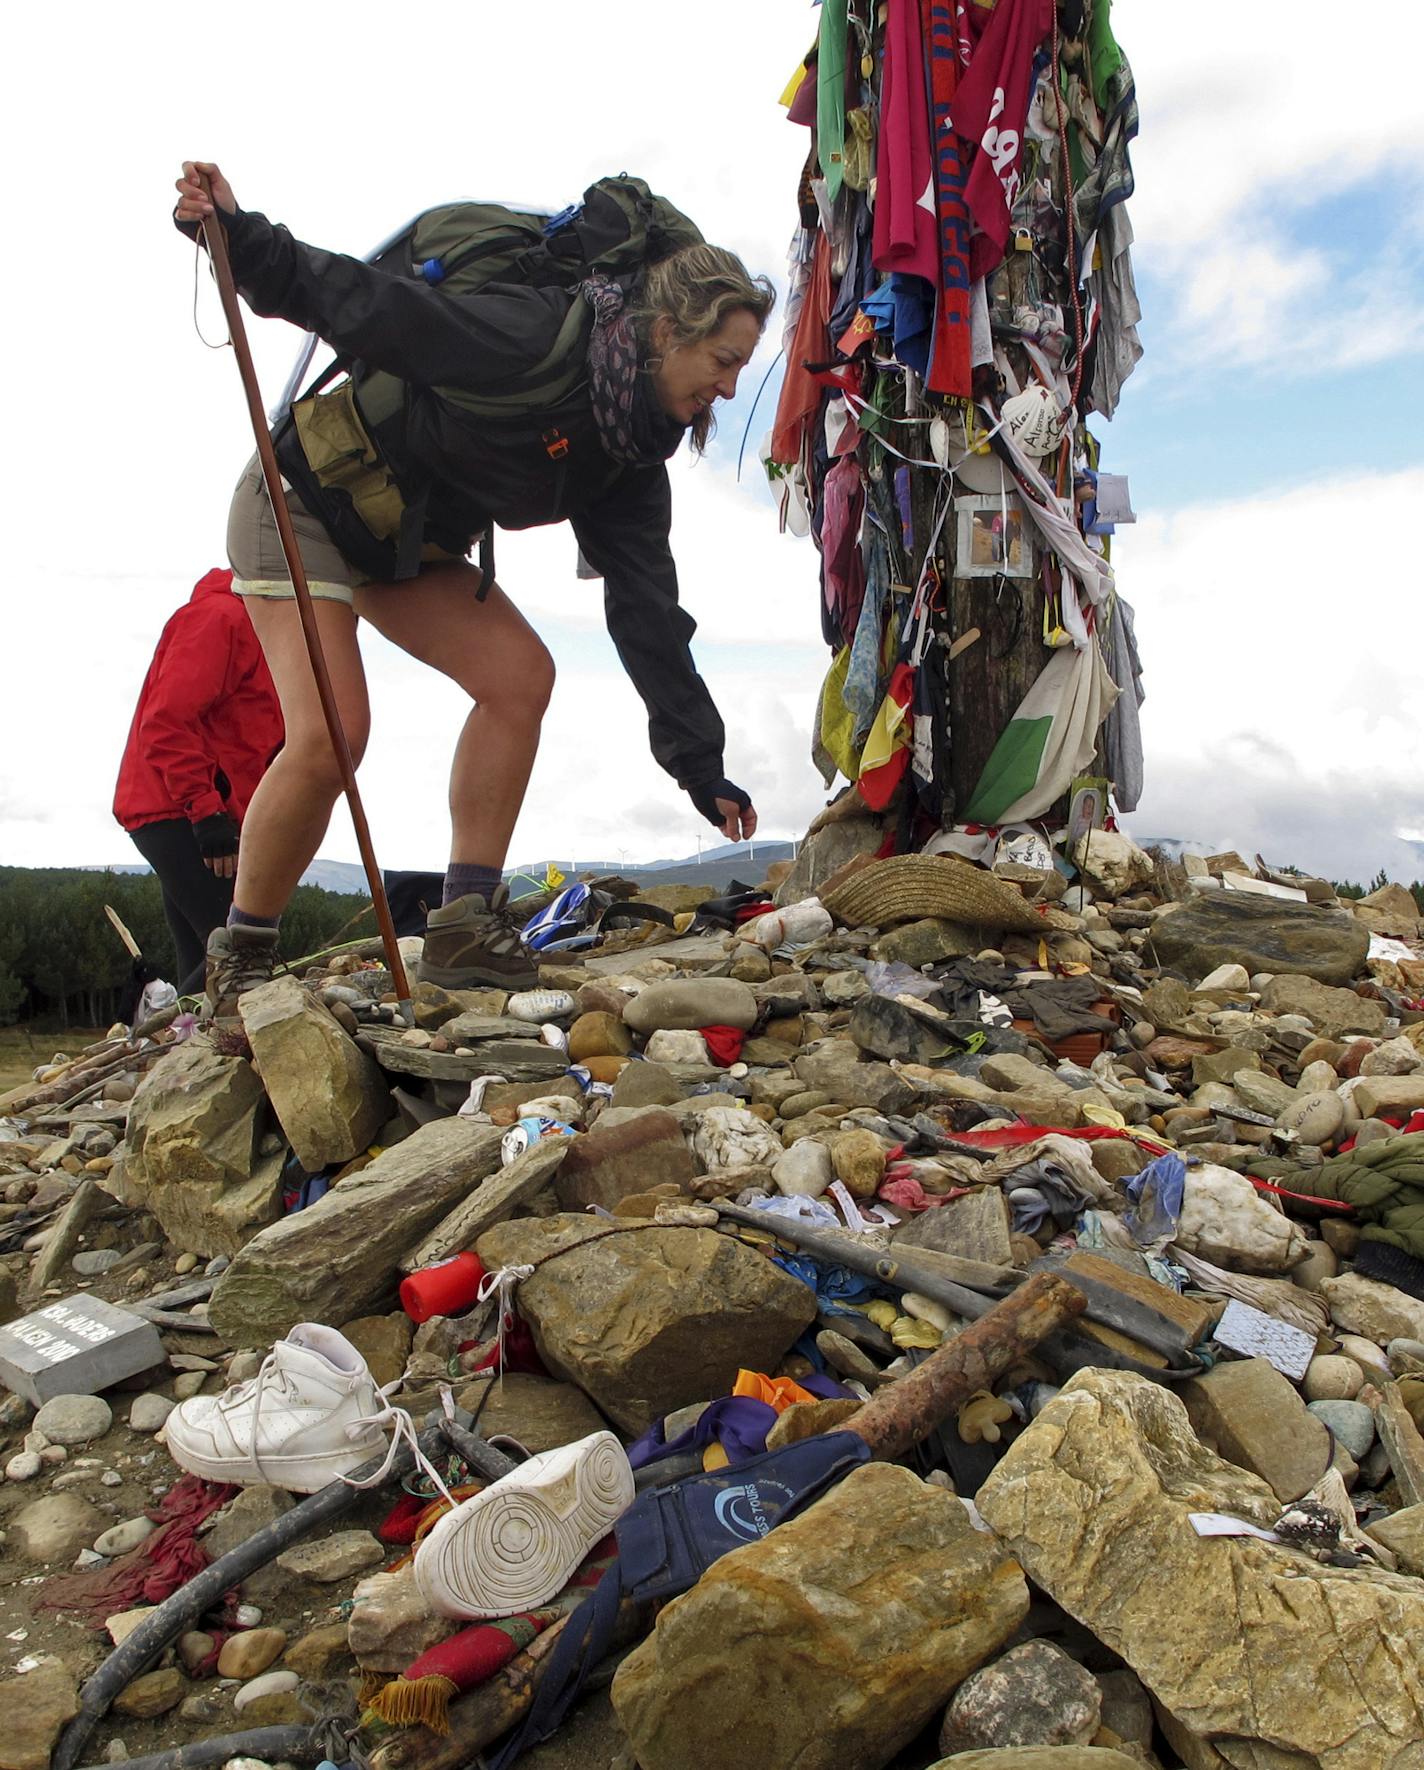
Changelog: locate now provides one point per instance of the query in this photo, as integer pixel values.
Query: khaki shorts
(254, 548)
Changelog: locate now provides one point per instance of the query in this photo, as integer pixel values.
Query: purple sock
(465, 878)
(237, 918)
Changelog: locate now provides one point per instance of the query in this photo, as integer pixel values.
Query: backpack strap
(630, 913)
(486, 563)
(411, 536)
(585, 1639)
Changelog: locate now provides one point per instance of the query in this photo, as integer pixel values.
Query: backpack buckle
(556, 444)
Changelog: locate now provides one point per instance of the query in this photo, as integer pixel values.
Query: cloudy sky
(1271, 433)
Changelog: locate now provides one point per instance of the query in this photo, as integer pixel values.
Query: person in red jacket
(207, 724)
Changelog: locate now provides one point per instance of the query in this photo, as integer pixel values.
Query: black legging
(195, 899)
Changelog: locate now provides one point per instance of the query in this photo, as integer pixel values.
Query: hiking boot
(239, 958)
(517, 1543)
(473, 943)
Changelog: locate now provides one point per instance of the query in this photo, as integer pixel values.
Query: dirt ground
(23, 1049)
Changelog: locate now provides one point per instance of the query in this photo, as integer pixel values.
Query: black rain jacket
(481, 470)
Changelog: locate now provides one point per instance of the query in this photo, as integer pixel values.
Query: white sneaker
(516, 1544)
(310, 1415)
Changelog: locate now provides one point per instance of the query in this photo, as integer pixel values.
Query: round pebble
(246, 1654)
(149, 1412)
(1351, 1422)
(1365, 1354)
(185, 1263)
(195, 1648)
(269, 1684)
(1402, 1349)
(120, 1538)
(1315, 1118)
(247, 1616)
(208, 1708)
(74, 1419)
(94, 1262)
(1332, 1378)
(23, 1466)
(1320, 1261)
(111, 1478)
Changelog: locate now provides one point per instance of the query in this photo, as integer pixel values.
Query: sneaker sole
(475, 977)
(518, 1543)
(302, 1474)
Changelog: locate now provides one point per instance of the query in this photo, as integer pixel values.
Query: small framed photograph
(994, 540)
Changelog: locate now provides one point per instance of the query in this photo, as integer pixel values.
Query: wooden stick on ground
(899, 1416)
(74, 1082)
(909, 1409)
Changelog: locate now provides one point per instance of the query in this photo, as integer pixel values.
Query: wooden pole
(902, 1268)
(909, 1409)
(216, 241)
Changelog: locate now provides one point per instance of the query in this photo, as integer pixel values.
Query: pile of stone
(1187, 1530)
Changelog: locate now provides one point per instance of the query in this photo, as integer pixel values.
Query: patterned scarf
(632, 426)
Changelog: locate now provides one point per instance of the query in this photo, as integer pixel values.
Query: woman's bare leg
(289, 812)
(491, 652)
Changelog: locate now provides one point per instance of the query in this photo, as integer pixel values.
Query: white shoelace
(403, 1431)
(256, 1387)
(500, 1285)
(397, 1419)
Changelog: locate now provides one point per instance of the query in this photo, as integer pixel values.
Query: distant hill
(714, 866)
(330, 875)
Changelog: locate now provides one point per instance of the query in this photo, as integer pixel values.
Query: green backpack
(335, 442)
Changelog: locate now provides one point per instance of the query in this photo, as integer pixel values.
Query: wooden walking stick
(216, 241)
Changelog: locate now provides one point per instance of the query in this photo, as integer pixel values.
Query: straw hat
(911, 886)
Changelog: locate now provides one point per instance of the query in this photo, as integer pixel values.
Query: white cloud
(1334, 824)
(1282, 673)
(1271, 112)
(1246, 130)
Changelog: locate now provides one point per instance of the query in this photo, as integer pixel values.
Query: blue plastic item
(566, 917)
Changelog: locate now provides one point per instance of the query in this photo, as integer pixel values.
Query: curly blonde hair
(695, 291)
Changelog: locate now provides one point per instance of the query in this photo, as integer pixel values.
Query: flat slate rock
(690, 952)
(517, 1059)
(470, 1029)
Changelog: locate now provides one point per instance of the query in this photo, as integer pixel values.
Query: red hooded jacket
(208, 720)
